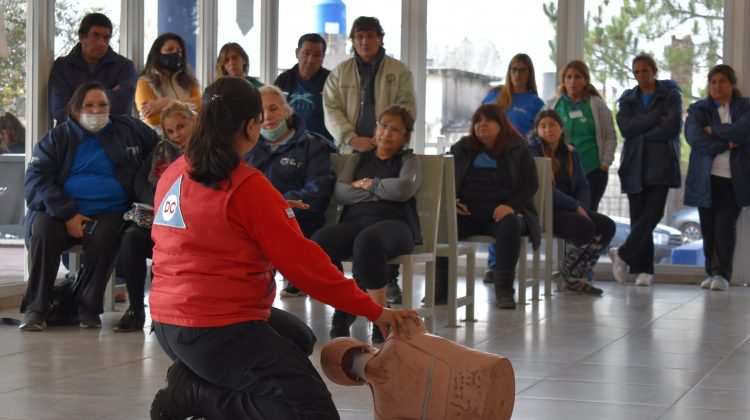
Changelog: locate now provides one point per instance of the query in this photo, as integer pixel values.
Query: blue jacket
(579, 184)
(287, 82)
(300, 169)
(703, 149)
(651, 149)
(71, 71)
(127, 142)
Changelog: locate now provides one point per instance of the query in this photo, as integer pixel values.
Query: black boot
(441, 281)
(341, 323)
(179, 399)
(504, 289)
(133, 320)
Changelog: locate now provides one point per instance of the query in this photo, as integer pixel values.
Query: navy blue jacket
(286, 82)
(71, 71)
(127, 141)
(300, 169)
(703, 149)
(579, 184)
(651, 150)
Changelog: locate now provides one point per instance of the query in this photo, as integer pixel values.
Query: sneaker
(719, 284)
(340, 324)
(644, 279)
(290, 291)
(580, 286)
(179, 399)
(32, 321)
(89, 321)
(393, 292)
(131, 321)
(706, 284)
(489, 277)
(377, 335)
(619, 267)
(504, 299)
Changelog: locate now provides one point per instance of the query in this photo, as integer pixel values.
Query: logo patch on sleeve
(169, 213)
(289, 212)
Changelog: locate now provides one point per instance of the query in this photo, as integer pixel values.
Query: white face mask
(94, 122)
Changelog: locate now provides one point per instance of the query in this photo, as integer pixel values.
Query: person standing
(92, 59)
(588, 125)
(718, 131)
(650, 119)
(304, 83)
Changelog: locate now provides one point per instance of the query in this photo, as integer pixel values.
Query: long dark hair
(227, 106)
(14, 128)
(563, 153)
(154, 72)
(507, 131)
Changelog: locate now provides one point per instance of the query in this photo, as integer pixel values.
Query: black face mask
(171, 62)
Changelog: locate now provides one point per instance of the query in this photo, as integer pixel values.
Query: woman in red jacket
(219, 230)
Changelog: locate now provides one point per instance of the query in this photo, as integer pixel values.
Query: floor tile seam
(640, 366)
(608, 382)
(628, 404)
(695, 386)
(72, 375)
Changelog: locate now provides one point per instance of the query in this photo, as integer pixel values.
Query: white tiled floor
(669, 352)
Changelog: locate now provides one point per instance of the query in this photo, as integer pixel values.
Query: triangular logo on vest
(169, 213)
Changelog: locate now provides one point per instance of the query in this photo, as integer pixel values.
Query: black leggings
(719, 228)
(507, 233)
(369, 245)
(598, 184)
(588, 237)
(49, 239)
(136, 246)
(646, 210)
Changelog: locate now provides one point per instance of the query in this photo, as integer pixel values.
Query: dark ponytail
(227, 106)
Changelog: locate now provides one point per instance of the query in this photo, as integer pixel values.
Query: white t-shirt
(720, 166)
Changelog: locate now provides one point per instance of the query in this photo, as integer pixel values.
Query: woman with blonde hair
(588, 125)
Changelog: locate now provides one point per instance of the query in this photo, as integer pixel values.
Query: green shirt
(578, 124)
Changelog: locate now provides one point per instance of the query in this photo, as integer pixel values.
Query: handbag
(141, 214)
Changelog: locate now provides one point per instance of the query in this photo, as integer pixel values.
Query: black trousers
(49, 239)
(257, 370)
(369, 245)
(597, 183)
(587, 237)
(719, 227)
(646, 210)
(136, 247)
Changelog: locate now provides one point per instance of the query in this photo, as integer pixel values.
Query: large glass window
(239, 21)
(468, 52)
(178, 16)
(686, 39)
(333, 19)
(12, 137)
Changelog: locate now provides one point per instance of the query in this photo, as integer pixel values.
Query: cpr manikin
(423, 376)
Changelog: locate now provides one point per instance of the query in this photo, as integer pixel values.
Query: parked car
(665, 239)
(687, 221)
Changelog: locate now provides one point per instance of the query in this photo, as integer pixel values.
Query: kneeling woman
(380, 220)
(495, 185)
(219, 230)
(588, 233)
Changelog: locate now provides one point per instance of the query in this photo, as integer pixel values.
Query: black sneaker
(291, 291)
(489, 277)
(341, 323)
(131, 321)
(504, 299)
(377, 335)
(32, 321)
(581, 286)
(393, 292)
(179, 400)
(89, 321)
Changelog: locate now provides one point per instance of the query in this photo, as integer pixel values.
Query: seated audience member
(495, 186)
(379, 222)
(297, 162)
(12, 134)
(79, 182)
(136, 246)
(216, 243)
(166, 78)
(233, 61)
(92, 59)
(587, 233)
(305, 81)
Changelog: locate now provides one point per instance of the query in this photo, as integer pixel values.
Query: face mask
(274, 133)
(94, 122)
(171, 62)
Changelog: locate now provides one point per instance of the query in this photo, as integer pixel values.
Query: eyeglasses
(387, 127)
(519, 70)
